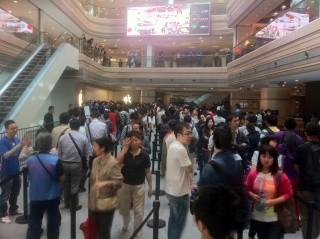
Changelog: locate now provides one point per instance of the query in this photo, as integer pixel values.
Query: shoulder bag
(83, 158)
(286, 211)
(54, 178)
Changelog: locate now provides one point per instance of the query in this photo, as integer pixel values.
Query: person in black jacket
(225, 167)
(48, 122)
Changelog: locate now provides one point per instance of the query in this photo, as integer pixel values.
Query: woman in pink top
(262, 188)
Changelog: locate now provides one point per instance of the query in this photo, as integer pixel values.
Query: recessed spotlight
(220, 37)
(271, 20)
(296, 80)
(283, 7)
(15, 1)
(275, 14)
(9, 11)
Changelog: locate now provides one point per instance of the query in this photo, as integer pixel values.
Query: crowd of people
(237, 169)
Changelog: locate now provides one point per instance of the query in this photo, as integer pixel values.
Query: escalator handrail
(20, 69)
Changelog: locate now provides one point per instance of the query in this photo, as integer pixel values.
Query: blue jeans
(9, 191)
(37, 210)
(179, 207)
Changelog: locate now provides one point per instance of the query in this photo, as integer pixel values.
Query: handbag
(107, 204)
(89, 228)
(286, 211)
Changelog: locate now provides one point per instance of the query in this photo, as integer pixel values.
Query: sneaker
(5, 220)
(16, 212)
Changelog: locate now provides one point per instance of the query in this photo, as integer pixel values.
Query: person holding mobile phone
(136, 168)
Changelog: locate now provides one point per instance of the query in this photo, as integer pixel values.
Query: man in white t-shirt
(178, 180)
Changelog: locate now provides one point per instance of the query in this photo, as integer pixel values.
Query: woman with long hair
(263, 186)
(204, 154)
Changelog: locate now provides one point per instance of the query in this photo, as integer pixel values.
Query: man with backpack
(253, 134)
(307, 163)
(288, 142)
(271, 122)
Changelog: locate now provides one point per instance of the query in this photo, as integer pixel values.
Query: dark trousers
(9, 191)
(203, 159)
(37, 209)
(72, 173)
(103, 222)
(268, 230)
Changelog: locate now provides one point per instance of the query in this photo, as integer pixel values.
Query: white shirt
(98, 129)
(178, 180)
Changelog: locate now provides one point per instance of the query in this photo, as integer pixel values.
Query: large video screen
(9, 23)
(177, 19)
(284, 25)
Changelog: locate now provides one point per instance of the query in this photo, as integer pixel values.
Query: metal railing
(168, 60)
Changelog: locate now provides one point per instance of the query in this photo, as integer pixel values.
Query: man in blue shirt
(45, 196)
(10, 147)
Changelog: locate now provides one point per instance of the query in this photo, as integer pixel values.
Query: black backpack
(254, 139)
(313, 167)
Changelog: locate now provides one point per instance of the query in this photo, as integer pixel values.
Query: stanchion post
(116, 149)
(156, 207)
(156, 223)
(24, 218)
(154, 155)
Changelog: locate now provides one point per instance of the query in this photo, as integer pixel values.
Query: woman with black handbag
(105, 180)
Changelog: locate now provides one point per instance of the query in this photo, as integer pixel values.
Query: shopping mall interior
(257, 55)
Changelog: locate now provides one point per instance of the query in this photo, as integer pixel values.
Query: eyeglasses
(13, 128)
(187, 134)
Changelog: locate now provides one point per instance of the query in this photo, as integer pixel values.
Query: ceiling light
(9, 11)
(220, 37)
(275, 14)
(296, 80)
(15, 1)
(283, 7)
(104, 40)
(271, 20)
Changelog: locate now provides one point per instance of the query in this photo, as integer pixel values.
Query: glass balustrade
(300, 14)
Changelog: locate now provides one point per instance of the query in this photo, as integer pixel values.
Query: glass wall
(279, 24)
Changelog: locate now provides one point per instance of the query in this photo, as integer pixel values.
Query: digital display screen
(9, 23)
(177, 19)
(284, 25)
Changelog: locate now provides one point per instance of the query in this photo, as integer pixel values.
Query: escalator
(43, 67)
(20, 80)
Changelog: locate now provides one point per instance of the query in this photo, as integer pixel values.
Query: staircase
(19, 82)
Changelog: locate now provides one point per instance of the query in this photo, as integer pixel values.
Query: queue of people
(255, 169)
